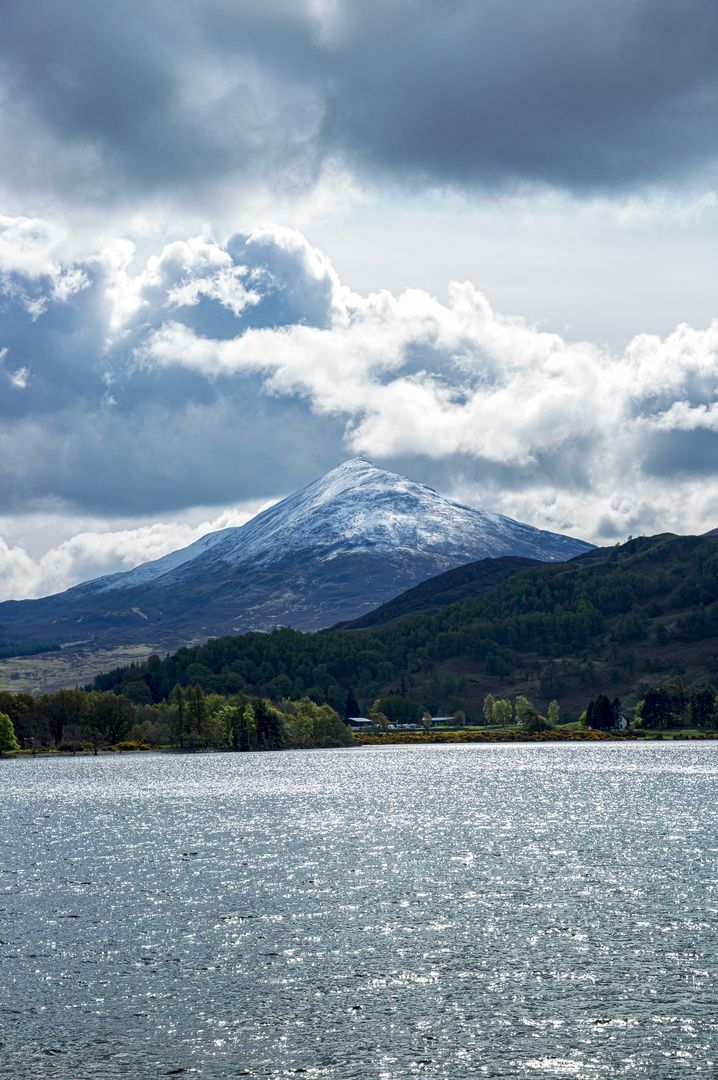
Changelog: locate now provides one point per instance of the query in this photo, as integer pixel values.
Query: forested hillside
(451, 587)
(615, 620)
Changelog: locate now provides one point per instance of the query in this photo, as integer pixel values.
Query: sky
(242, 242)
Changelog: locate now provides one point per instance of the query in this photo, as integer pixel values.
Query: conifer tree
(180, 708)
(352, 705)
(196, 713)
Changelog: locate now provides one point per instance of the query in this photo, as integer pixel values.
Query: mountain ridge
(451, 587)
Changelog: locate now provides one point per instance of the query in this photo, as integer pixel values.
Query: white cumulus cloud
(411, 376)
(93, 552)
(217, 372)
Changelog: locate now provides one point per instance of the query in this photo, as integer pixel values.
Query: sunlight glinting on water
(438, 911)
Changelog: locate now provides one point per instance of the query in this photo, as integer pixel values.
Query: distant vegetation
(12, 646)
(614, 621)
(636, 624)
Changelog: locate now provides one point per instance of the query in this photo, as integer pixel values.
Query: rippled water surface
(444, 911)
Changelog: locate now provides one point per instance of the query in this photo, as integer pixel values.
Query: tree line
(672, 705)
(190, 720)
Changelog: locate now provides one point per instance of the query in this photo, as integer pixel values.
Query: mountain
(334, 550)
(449, 588)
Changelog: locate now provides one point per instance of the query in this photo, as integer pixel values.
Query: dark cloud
(57, 342)
(157, 459)
(584, 95)
(566, 469)
(110, 100)
(672, 454)
(103, 433)
(144, 97)
(154, 460)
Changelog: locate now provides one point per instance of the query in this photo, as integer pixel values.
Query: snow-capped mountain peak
(333, 551)
(357, 508)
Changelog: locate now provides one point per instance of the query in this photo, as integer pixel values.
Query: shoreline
(555, 736)
(387, 740)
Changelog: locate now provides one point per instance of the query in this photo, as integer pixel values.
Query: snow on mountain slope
(356, 508)
(332, 552)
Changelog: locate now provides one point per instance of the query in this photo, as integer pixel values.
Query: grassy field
(74, 665)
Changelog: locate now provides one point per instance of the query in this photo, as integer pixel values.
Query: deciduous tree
(525, 711)
(8, 742)
(489, 702)
(502, 712)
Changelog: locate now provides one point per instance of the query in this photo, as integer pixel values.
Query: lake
(438, 911)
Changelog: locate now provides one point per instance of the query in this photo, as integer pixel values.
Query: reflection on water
(443, 911)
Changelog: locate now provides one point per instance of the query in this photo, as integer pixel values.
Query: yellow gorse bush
(395, 738)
